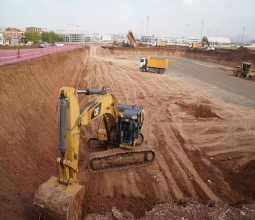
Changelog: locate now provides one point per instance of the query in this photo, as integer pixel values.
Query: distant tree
(6, 39)
(33, 36)
(45, 36)
(60, 39)
(51, 37)
(8, 29)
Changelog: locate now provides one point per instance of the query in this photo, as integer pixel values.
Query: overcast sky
(222, 18)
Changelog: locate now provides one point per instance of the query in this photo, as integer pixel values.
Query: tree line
(35, 36)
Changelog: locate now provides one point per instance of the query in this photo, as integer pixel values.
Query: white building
(220, 41)
(84, 38)
(1, 37)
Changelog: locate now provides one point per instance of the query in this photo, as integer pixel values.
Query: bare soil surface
(205, 162)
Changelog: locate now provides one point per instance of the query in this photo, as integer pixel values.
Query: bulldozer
(243, 71)
(118, 145)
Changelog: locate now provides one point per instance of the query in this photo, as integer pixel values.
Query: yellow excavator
(118, 145)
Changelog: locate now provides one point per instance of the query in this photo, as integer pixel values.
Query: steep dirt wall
(229, 57)
(27, 152)
(146, 51)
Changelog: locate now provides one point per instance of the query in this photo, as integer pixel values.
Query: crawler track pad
(57, 203)
(116, 159)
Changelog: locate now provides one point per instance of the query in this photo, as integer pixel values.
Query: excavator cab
(130, 125)
(246, 67)
(126, 133)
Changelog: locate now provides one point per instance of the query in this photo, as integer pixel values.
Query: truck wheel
(156, 70)
(144, 69)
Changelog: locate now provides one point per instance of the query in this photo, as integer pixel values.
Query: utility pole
(147, 25)
(217, 38)
(187, 30)
(243, 34)
(202, 30)
(142, 27)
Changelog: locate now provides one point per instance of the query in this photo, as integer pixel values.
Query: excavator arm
(72, 117)
(61, 197)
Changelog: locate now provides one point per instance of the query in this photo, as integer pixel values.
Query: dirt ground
(205, 162)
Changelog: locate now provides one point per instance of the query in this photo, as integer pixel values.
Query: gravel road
(214, 79)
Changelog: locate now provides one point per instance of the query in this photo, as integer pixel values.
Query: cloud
(191, 2)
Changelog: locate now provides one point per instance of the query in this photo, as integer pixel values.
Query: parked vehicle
(44, 44)
(29, 43)
(154, 64)
(59, 44)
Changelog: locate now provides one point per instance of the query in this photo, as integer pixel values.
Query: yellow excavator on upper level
(119, 136)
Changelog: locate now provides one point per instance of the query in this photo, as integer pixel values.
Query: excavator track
(119, 158)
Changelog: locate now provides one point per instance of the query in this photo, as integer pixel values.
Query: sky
(234, 19)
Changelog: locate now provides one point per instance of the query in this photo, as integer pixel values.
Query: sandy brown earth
(204, 147)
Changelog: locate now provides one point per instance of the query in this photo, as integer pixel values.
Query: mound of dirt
(200, 111)
(243, 51)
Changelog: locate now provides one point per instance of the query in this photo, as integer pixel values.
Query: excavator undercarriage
(116, 159)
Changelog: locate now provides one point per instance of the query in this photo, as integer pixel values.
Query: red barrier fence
(15, 56)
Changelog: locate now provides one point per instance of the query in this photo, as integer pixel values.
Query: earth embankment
(29, 135)
(228, 57)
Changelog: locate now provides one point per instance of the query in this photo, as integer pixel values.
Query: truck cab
(143, 63)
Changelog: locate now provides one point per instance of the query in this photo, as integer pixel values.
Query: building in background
(219, 41)
(84, 38)
(36, 29)
(14, 36)
(1, 37)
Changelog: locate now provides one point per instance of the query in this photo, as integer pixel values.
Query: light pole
(147, 26)
(187, 30)
(142, 27)
(201, 29)
(216, 38)
(243, 34)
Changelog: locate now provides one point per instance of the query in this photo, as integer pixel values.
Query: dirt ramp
(29, 136)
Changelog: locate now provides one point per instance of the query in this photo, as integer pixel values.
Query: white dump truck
(153, 64)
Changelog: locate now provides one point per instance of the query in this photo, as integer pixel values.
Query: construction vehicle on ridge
(154, 64)
(200, 45)
(159, 44)
(119, 136)
(130, 42)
